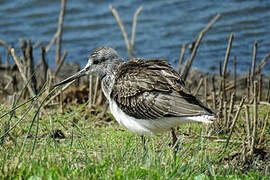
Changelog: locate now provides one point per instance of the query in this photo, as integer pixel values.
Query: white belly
(152, 126)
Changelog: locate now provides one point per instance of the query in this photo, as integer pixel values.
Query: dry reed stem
(134, 28)
(181, 58)
(225, 112)
(234, 122)
(3, 43)
(220, 79)
(23, 52)
(234, 74)
(61, 102)
(221, 102)
(254, 60)
(255, 117)
(60, 64)
(60, 30)
(198, 87)
(189, 61)
(248, 85)
(49, 81)
(30, 65)
(7, 53)
(122, 27)
(260, 66)
(20, 67)
(90, 91)
(96, 90)
(214, 92)
(37, 44)
(263, 62)
(49, 46)
(248, 126)
(268, 92)
(44, 63)
(31, 91)
(232, 102)
(260, 88)
(205, 90)
(227, 55)
(265, 121)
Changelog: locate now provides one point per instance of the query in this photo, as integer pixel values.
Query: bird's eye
(95, 62)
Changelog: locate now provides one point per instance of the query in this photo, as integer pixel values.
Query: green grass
(94, 149)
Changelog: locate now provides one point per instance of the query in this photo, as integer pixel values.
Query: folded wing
(151, 89)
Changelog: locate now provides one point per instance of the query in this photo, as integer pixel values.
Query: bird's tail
(203, 118)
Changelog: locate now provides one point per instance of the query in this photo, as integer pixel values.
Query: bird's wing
(150, 89)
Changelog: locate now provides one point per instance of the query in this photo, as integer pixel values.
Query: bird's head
(98, 63)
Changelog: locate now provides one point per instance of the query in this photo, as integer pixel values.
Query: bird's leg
(174, 139)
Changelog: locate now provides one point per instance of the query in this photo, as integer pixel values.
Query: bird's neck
(108, 78)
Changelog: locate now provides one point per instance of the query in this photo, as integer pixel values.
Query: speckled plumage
(150, 89)
(145, 96)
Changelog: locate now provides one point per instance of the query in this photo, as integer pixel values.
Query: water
(163, 26)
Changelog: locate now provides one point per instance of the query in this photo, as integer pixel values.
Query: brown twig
(181, 58)
(214, 92)
(44, 63)
(227, 55)
(268, 92)
(248, 126)
(265, 121)
(234, 74)
(205, 90)
(248, 85)
(8, 51)
(221, 102)
(31, 91)
(255, 117)
(49, 45)
(122, 27)
(198, 87)
(226, 118)
(37, 44)
(60, 29)
(96, 90)
(60, 64)
(194, 51)
(234, 122)
(260, 88)
(90, 91)
(134, 29)
(225, 66)
(231, 107)
(260, 66)
(30, 66)
(20, 67)
(254, 60)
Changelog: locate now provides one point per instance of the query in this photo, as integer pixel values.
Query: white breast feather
(153, 126)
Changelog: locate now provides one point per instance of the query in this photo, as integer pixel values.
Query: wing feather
(151, 89)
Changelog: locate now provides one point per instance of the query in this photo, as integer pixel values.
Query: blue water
(163, 26)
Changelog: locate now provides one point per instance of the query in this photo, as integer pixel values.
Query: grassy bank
(84, 147)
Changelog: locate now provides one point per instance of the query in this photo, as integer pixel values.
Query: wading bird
(145, 96)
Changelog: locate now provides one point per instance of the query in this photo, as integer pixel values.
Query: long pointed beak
(77, 75)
